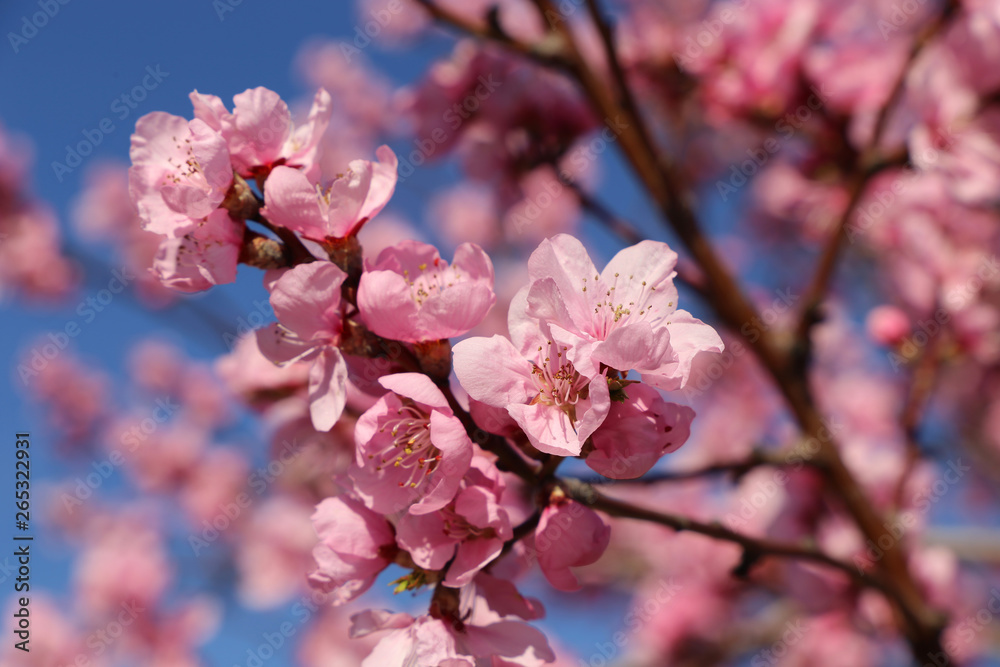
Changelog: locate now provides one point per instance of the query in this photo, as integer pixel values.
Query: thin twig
(492, 32)
(754, 548)
(921, 387)
(758, 458)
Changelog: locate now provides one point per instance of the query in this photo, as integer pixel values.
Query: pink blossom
(163, 459)
(428, 640)
(569, 535)
(274, 551)
(887, 325)
(31, 260)
(533, 379)
(471, 529)
(467, 213)
(61, 644)
(355, 545)
(75, 396)
(484, 100)
(546, 207)
(968, 158)
(411, 294)
(337, 209)
(494, 599)
(247, 373)
(205, 255)
(180, 172)
(260, 132)
(209, 486)
(753, 65)
(324, 641)
(411, 449)
(125, 562)
(104, 212)
(625, 317)
(306, 301)
(637, 432)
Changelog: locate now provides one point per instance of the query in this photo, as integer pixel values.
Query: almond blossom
(534, 379)
(205, 255)
(428, 640)
(468, 533)
(307, 303)
(180, 172)
(637, 432)
(568, 535)
(330, 209)
(411, 449)
(410, 294)
(260, 132)
(624, 317)
(355, 545)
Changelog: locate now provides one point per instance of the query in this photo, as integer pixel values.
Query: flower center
(187, 170)
(557, 381)
(611, 310)
(410, 447)
(432, 279)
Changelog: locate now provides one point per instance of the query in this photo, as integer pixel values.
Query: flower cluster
(428, 488)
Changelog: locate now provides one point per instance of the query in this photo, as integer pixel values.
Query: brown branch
(921, 387)
(758, 458)
(827, 264)
(545, 54)
(754, 548)
(627, 98)
(922, 624)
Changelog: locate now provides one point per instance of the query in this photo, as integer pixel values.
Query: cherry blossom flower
(336, 209)
(411, 294)
(637, 432)
(355, 545)
(205, 255)
(533, 378)
(180, 172)
(247, 373)
(427, 640)
(569, 535)
(625, 317)
(471, 529)
(411, 449)
(307, 302)
(887, 325)
(31, 260)
(466, 213)
(274, 551)
(260, 132)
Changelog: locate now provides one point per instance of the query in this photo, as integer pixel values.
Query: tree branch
(754, 548)
(757, 459)
(922, 625)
